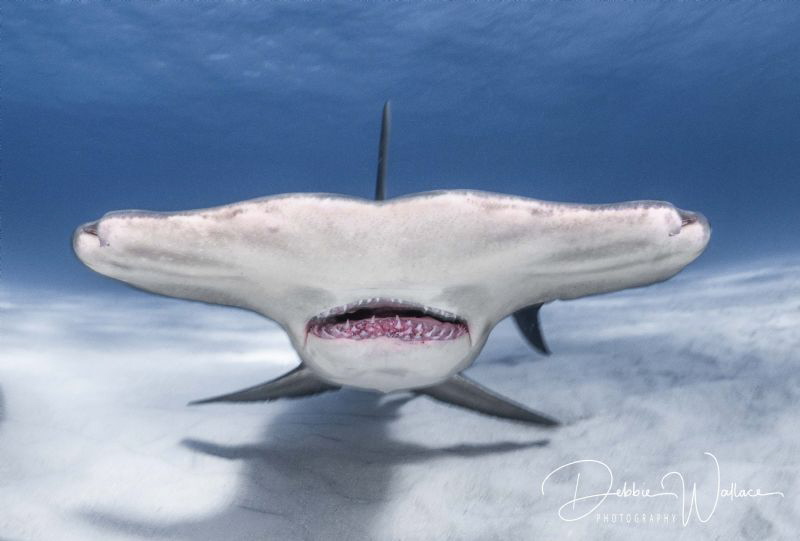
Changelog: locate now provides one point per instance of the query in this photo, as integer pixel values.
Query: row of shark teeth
(416, 329)
(384, 302)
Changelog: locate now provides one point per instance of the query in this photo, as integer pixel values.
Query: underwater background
(172, 106)
(178, 105)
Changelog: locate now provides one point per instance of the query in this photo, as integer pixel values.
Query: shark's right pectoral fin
(299, 382)
(462, 391)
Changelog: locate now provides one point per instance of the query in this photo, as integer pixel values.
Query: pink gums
(403, 328)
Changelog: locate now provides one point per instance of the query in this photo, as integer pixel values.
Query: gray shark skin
(398, 294)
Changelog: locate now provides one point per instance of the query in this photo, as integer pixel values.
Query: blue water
(177, 106)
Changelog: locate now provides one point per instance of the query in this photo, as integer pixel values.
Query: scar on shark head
(394, 294)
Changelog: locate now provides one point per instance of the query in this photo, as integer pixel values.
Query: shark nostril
(687, 218)
(90, 229)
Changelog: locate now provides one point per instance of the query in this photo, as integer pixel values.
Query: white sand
(96, 441)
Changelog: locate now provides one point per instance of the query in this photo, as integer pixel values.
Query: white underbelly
(387, 364)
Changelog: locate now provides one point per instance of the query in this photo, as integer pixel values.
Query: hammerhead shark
(394, 294)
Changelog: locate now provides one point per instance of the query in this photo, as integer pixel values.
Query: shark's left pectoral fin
(462, 391)
(299, 382)
(528, 322)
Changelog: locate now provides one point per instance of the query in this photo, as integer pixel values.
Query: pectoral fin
(462, 391)
(528, 322)
(299, 382)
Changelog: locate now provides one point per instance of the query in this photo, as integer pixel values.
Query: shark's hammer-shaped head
(394, 294)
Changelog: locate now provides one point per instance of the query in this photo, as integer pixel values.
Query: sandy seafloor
(96, 441)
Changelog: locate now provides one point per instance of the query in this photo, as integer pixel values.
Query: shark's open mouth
(389, 318)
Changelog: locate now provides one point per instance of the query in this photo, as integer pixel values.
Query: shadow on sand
(323, 470)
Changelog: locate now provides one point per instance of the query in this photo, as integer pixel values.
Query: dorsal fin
(383, 153)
